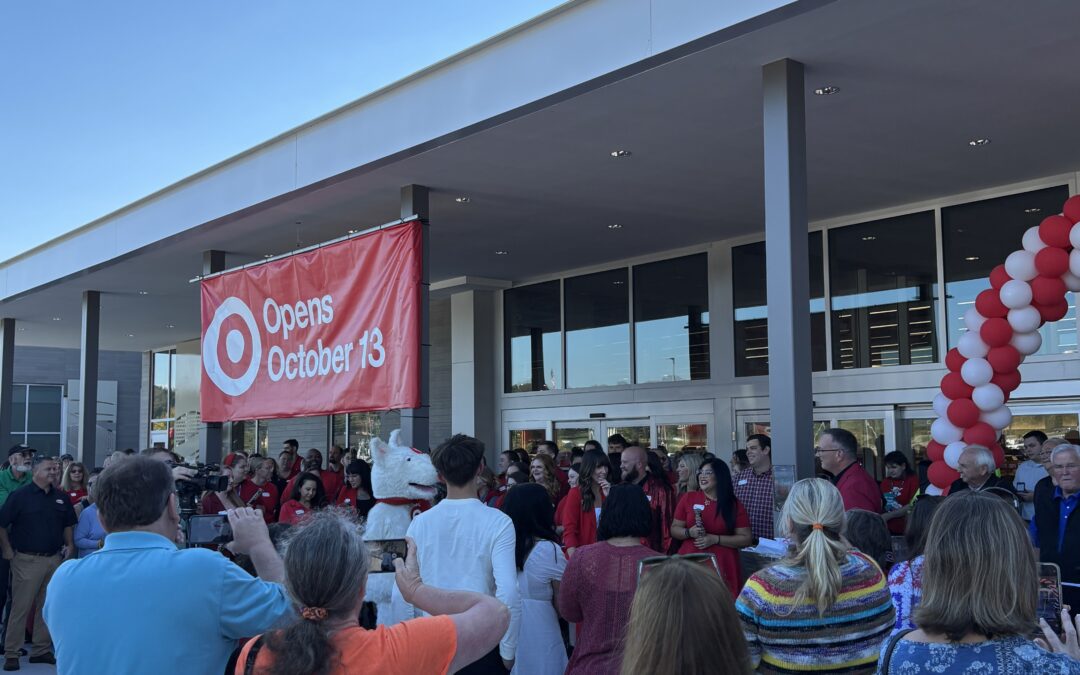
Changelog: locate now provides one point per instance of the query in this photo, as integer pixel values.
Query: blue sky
(106, 102)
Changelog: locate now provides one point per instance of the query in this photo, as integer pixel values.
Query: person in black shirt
(41, 519)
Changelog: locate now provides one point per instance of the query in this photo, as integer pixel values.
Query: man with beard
(635, 469)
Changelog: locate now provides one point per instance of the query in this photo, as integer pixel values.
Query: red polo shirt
(859, 489)
(266, 499)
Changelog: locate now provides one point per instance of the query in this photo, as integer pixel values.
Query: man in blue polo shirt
(1055, 529)
(140, 605)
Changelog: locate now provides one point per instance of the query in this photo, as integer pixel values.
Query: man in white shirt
(462, 544)
(1030, 472)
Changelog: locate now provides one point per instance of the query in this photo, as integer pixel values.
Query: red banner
(333, 330)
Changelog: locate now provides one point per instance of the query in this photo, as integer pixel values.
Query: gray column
(415, 421)
(472, 380)
(7, 369)
(88, 378)
(210, 433)
(787, 279)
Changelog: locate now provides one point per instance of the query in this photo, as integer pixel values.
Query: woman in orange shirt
(581, 512)
(326, 637)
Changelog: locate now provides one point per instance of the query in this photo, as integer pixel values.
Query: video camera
(188, 490)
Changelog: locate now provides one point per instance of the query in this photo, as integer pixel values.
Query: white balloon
(973, 320)
(1021, 265)
(952, 453)
(941, 404)
(1024, 319)
(1074, 235)
(1015, 294)
(934, 490)
(943, 431)
(999, 419)
(1072, 282)
(976, 372)
(988, 397)
(1074, 259)
(1031, 241)
(971, 346)
(1027, 343)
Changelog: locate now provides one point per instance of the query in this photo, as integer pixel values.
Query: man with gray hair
(976, 467)
(1054, 532)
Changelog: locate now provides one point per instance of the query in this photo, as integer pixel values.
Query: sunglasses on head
(707, 560)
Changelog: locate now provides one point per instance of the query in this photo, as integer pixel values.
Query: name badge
(60, 501)
(743, 482)
(649, 497)
(299, 512)
(266, 494)
(348, 501)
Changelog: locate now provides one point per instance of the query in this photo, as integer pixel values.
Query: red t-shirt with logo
(263, 497)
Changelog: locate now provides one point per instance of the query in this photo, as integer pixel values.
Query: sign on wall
(335, 329)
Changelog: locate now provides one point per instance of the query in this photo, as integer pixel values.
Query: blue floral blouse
(1007, 656)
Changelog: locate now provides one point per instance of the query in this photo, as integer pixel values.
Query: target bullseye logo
(235, 346)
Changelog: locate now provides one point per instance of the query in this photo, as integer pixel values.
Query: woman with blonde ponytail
(833, 599)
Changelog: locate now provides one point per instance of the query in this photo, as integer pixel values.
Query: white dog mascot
(403, 483)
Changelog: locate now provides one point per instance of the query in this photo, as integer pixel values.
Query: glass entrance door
(569, 435)
(636, 432)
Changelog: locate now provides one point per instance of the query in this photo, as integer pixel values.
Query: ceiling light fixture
(1032, 210)
(170, 325)
(131, 335)
(502, 252)
(56, 318)
(826, 90)
(353, 231)
(268, 255)
(971, 258)
(614, 226)
(462, 200)
(869, 238)
(978, 142)
(144, 293)
(620, 153)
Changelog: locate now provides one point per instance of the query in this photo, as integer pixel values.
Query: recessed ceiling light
(971, 258)
(502, 252)
(869, 238)
(56, 318)
(978, 142)
(268, 255)
(826, 90)
(1032, 210)
(462, 200)
(171, 325)
(620, 153)
(353, 231)
(131, 335)
(144, 293)
(618, 283)
(614, 226)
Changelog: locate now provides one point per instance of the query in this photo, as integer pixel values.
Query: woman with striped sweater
(824, 608)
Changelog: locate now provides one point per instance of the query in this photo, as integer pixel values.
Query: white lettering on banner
(322, 360)
(287, 318)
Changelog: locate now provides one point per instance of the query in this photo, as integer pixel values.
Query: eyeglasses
(818, 451)
(707, 560)
(709, 473)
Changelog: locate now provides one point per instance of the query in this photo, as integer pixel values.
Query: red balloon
(1054, 231)
(954, 360)
(954, 387)
(996, 332)
(980, 433)
(1051, 262)
(999, 455)
(1008, 381)
(998, 277)
(989, 304)
(963, 413)
(1054, 312)
(942, 475)
(1047, 290)
(1004, 359)
(935, 451)
(1072, 208)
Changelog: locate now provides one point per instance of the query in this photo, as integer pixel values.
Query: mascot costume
(403, 484)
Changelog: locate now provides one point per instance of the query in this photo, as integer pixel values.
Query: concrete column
(415, 422)
(7, 369)
(88, 378)
(788, 276)
(472, 346)
(211, 433)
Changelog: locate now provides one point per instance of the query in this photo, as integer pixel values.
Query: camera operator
(154, 608)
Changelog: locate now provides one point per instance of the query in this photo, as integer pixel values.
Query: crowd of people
(617, 559)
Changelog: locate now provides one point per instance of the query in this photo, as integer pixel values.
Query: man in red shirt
(313, 464)
(838, 452)
(258, 492)
(634, 464)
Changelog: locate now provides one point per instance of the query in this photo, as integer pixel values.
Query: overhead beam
(415, 422)
(88, 377)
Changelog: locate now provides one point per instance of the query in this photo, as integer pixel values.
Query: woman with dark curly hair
(308, 495)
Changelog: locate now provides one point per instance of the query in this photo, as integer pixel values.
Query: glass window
(883, 283)
(532, 338)
(748, 270)
(675, 437)
(597, 329)
(363, 426)
(671, 319)
(635, 434)
(36, 417)
(569, 437)
(871, 436)
(339, 430)
(43, 409)
(18, 408)
(526, 439)
(46, 444)
(978, 236)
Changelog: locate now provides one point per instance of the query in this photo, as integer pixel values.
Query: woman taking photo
(600, 579)
(540, 563)
(898, 489)
(834, 600)
(307, 495)
(542, 472)
(711, 520)
(688, 467)
(74, 482)
(581, 513)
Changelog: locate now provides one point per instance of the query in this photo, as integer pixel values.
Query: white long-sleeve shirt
(464, 545)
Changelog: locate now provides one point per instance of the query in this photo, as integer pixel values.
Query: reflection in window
(354, 431)
(675, 437)
(36, 418)
(526, 439)
(671, 320)
(978, 236)
(163, 398)
(883, 282)
(597, 329)
(532, 341)
(570, 437)
(748, 266)
(639, 435)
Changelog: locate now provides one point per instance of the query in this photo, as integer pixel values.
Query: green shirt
(8, 483)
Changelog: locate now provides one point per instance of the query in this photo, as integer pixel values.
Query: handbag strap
(887, 657)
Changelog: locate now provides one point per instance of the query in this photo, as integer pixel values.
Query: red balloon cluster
(984, 369)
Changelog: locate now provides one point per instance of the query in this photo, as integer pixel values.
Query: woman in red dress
(898, 489)
(711, 520)
(308, 495)
(581, 510)
(74, 482)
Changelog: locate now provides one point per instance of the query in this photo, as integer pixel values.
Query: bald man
(634, 464)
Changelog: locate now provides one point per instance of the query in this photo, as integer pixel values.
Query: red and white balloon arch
(1027, 291)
